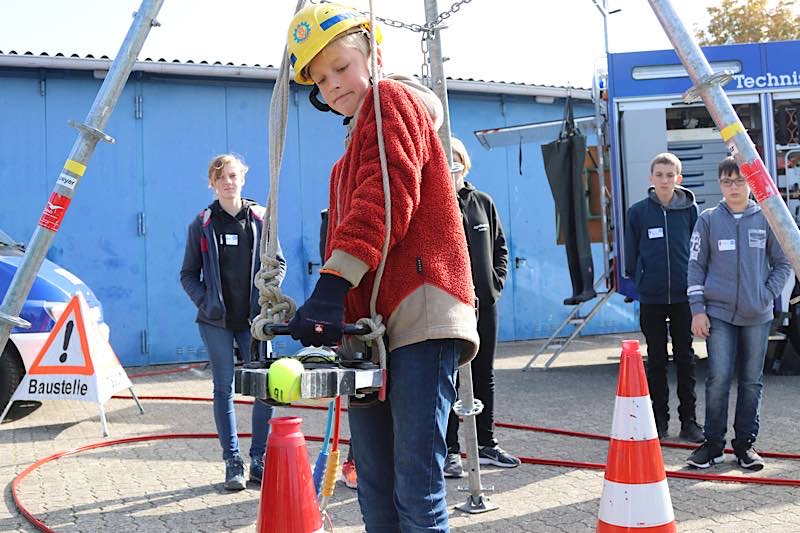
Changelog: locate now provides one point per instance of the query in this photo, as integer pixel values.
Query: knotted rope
(276, 307)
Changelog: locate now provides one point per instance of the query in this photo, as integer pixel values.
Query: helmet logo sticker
(301, 32)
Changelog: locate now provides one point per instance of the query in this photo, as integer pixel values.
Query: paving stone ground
(176, 485)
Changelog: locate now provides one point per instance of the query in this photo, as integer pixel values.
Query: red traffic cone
(635, 492)
(288, 500)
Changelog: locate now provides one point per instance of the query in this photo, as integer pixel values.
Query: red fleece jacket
(427, 243)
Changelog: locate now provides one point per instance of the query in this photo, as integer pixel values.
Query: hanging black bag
(563, 164)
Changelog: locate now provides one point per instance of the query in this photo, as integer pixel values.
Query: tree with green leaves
(751, 21)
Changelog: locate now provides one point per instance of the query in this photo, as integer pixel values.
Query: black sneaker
(497, 456)
(748, 457)
(706, 455)
(234, 473)
(453, 466)
(256, 469)
(662, 427)
(691, 432)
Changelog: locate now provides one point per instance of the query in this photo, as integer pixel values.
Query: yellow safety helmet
(316, 25)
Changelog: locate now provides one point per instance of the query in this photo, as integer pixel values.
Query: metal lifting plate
(315, 383)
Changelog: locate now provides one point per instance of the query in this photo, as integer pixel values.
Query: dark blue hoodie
(657, 246)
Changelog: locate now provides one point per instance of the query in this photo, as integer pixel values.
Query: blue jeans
(400, 445)
(733, 350)
(219, 343)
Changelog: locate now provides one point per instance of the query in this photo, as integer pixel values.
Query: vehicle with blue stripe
(52, 290)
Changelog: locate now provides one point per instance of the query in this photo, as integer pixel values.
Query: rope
(275, 306)
(377, 328)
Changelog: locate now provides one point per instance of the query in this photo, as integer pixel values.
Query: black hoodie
(488, 252)
(201, 273)
(235, 245)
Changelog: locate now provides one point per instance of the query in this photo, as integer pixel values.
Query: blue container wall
(531, 306)
(154, 178)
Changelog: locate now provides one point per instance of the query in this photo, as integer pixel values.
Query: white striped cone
(635, 492)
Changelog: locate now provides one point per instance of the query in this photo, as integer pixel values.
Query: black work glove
(319, 321)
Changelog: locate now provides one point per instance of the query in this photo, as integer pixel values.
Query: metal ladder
(558, 344)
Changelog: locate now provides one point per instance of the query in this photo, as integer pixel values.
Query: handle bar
(283, 329)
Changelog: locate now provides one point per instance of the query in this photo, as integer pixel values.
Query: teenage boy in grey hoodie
(736, 270)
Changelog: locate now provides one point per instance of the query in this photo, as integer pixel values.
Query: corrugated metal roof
(211, 68)
(148, 60)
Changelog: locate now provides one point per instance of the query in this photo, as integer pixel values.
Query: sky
(547, 42)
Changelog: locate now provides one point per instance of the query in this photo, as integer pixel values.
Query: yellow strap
(730, 130)
(331, 472)
(76, 168)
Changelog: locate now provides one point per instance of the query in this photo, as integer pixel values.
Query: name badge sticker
(231, 239)
(655, 233)
(726, 245)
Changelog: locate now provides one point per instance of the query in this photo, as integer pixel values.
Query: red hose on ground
(527, 460)
(183, 368)
(521, 427)
(41, 526)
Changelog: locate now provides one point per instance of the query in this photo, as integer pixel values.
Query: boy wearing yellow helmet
(426, 295)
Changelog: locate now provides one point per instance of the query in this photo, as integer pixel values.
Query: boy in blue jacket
(657, 233)
(736, 270)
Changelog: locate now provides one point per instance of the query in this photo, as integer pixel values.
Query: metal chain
(427, 27)
(426, 60)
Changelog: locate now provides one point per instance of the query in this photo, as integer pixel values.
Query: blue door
(469, 113)
(99, 240)
(183, 127)
(316, 156)
(248, 125)
(22, 173)
(314, 141)
(541, 281)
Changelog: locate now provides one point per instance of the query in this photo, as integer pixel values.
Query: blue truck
(647, 115)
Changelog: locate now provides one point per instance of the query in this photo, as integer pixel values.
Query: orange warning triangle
(66, 350)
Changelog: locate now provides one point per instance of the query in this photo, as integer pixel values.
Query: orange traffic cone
(635, 492)
(288, 500)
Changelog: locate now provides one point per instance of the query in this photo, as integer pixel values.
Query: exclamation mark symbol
(67, 335)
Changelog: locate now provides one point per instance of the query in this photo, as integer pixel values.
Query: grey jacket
(736, 266)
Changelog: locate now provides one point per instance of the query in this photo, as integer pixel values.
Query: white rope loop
(376, 328)
(375, 337)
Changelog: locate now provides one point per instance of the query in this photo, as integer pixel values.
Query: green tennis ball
(284, 380)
